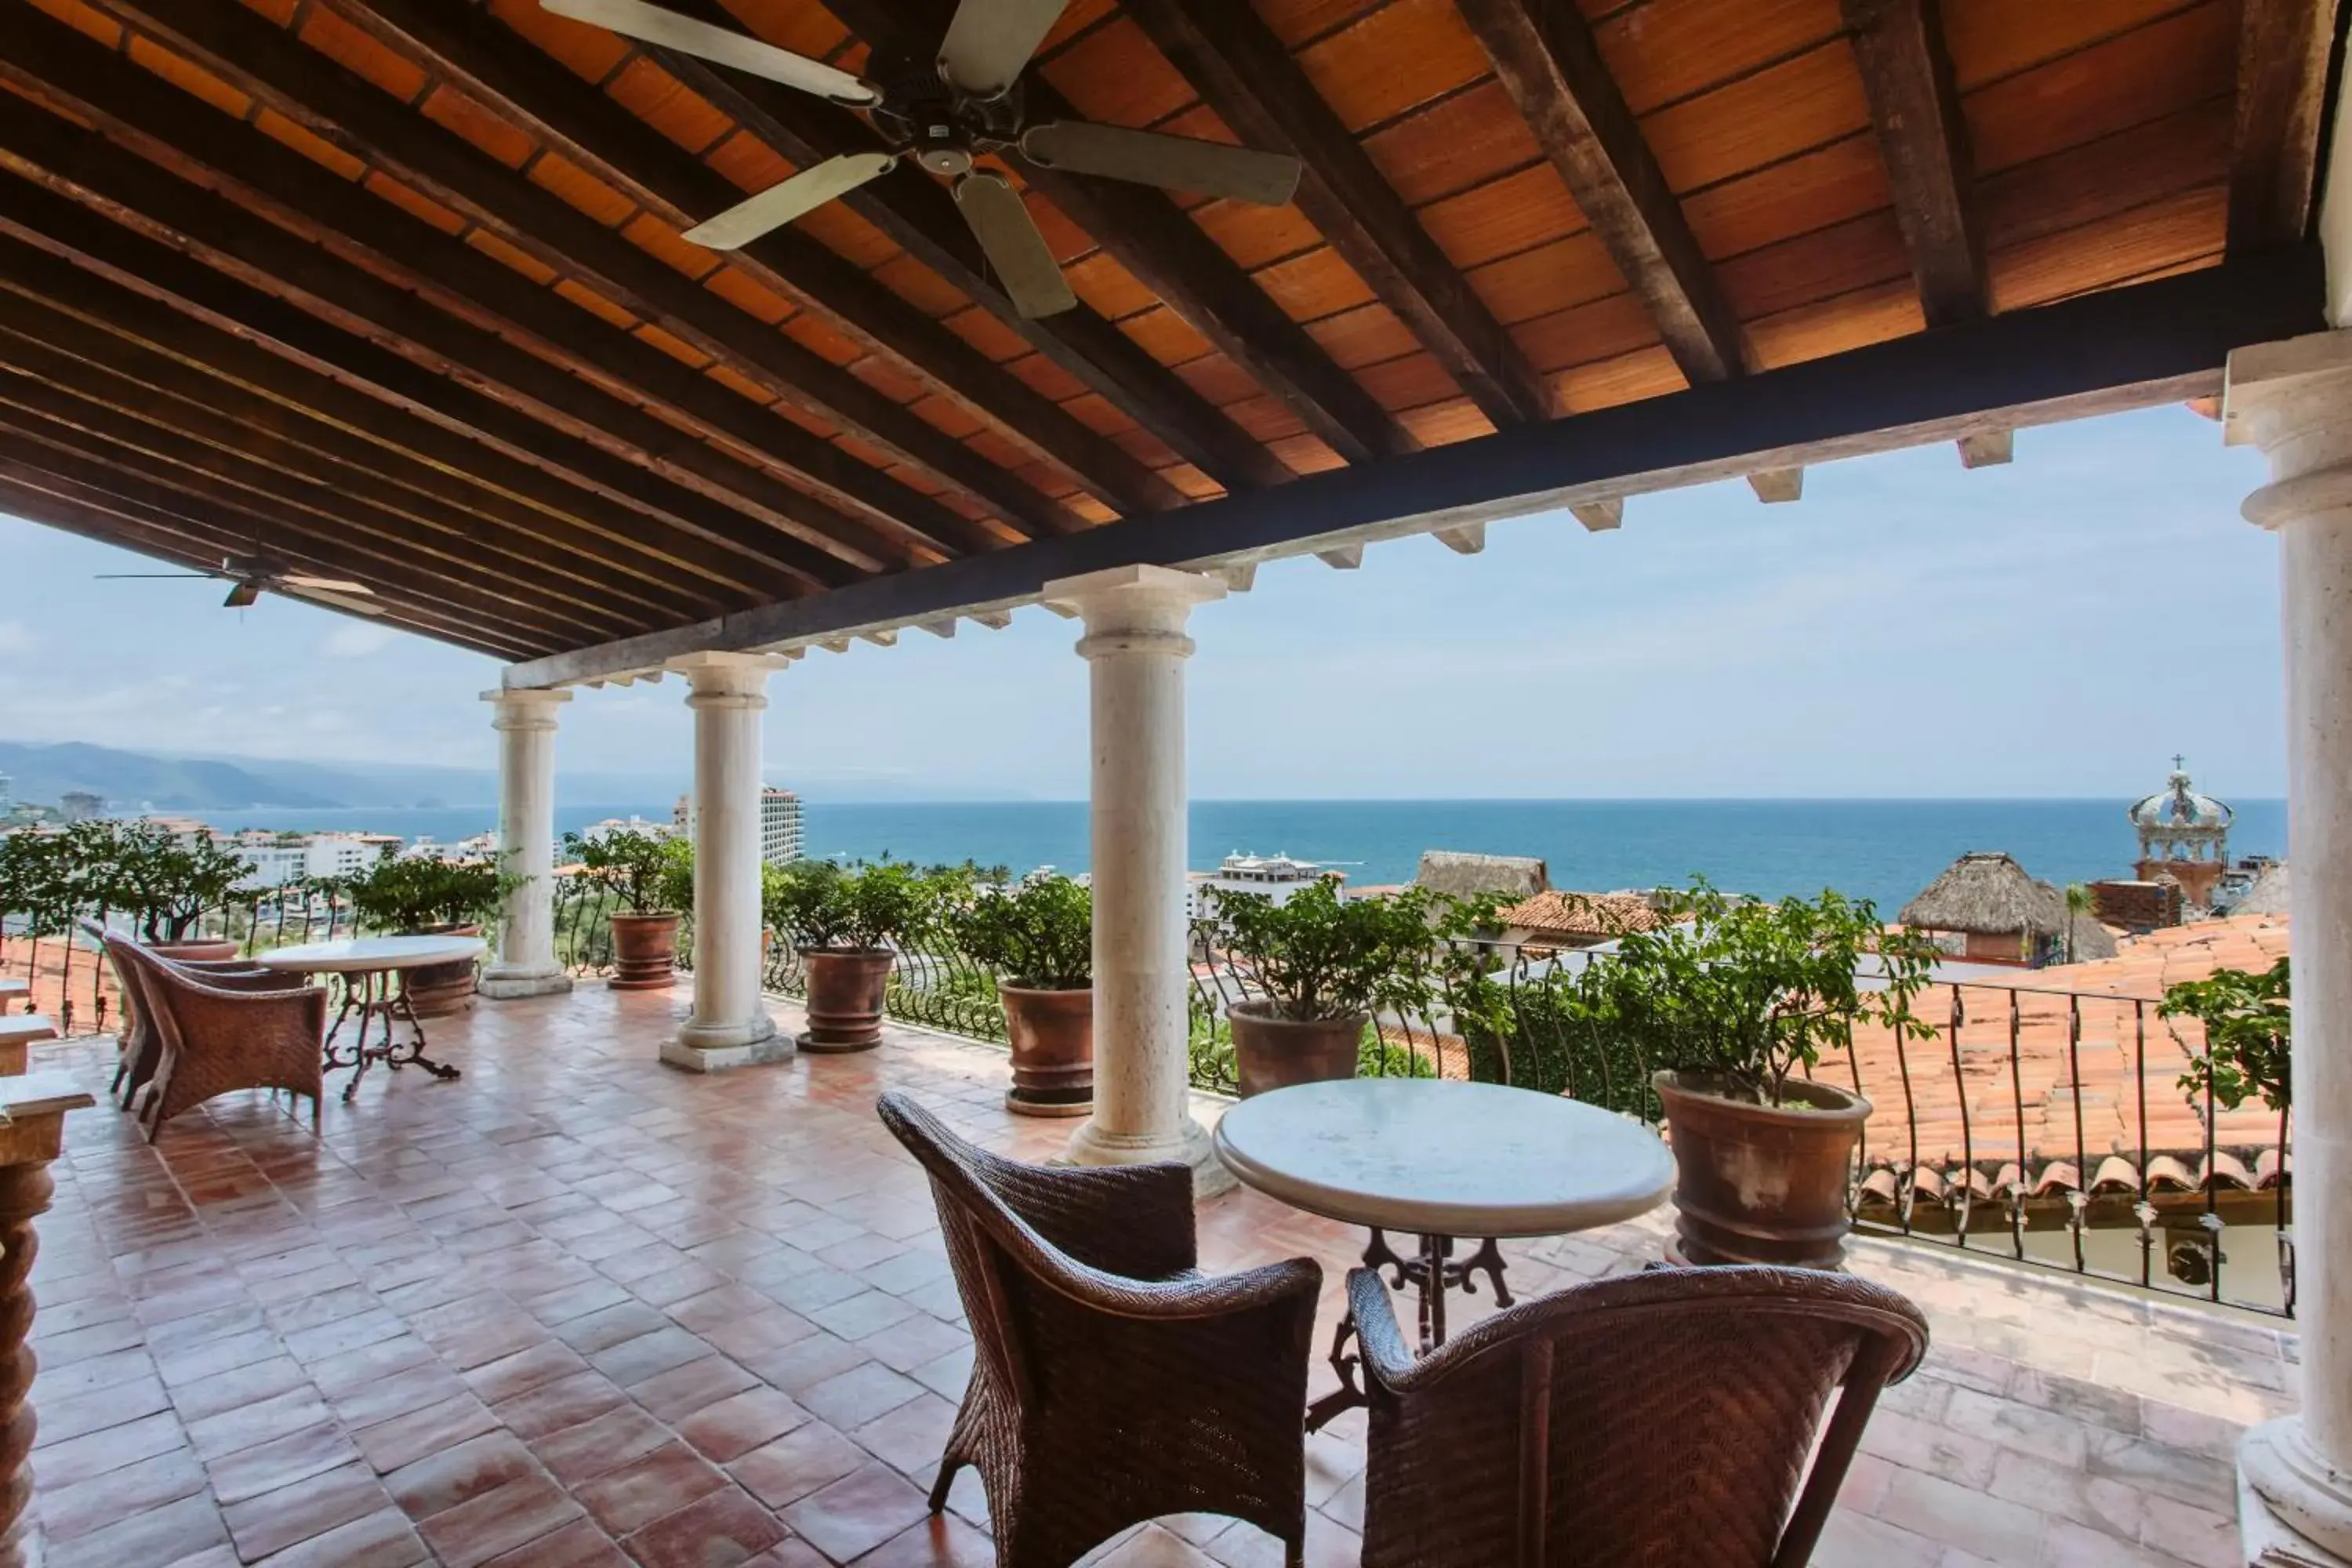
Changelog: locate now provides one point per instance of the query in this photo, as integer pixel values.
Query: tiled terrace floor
(579, 1309)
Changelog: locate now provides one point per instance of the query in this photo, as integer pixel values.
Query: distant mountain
(43, 774)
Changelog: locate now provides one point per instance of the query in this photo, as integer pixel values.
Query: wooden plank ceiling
(394, 290)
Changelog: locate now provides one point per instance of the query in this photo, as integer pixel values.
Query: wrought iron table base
(373, 995)
(1432, 1271)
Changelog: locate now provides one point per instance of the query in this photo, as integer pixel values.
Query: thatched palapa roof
(1990, 894)
(1463, 876)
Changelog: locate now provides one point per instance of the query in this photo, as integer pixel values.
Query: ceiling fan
(943, 115)
(249, 578)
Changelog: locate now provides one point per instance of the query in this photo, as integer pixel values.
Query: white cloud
(356, 640)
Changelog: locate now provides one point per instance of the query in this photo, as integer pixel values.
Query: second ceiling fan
(943, 115)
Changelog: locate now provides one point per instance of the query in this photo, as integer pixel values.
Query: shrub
(822, 904)
(410, 893)
(1038, 934)
(1319, 956)
(2249, 1036)
(163, 883)
(643, 869)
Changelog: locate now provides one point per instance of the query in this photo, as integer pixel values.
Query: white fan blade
(1009, 237)
(787, 199)
(1179, 162)
(338, 601)
(325, 585)
(989, 41)
(653, 25)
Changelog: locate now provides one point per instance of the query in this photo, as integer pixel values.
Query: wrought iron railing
(70, 981)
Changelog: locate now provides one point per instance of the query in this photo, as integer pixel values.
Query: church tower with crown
(2184, 836)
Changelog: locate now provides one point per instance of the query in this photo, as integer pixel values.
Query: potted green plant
(164, 882)
(845, 920)
(1731, 1001)
(652, 875)
(420, 895)
(1323, 966)
(1036, 937)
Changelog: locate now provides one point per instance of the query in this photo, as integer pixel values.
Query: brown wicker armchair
(137, 1046)
(1114, 1383)
(1659, 1418)
(210, 1040)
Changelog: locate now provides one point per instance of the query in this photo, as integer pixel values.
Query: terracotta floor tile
(293, 1514)
(440, 1481)
(857, 1513)
(797, 1464)
(580, 1544)
(381, 1540)
(500, 1521)
(264, 1467)
(79, 1458)
(858, 1396)
(404, 1439)
(552, 1406)
(576, 1453)
(525, 1369)
(722, 1530)
(694, 1385)
(654, 1483)
(941, 1542)
(616, 1324)
(158, 1535)
(67, 1511)
(98, 1410)
(735, 1426)
(257, 1421)
(910, 1436)
(649, 1355)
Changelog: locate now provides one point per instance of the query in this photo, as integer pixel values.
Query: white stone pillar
(1134, 649)
(2293, 401)
(526, 964)
(730, 1026)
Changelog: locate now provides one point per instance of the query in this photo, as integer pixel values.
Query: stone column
(526, 964)
(730, 1026)
(1134, 649)
(2293, 401)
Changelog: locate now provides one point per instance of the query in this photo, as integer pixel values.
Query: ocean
(1884, 850)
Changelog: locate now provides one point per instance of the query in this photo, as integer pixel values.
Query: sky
(2057, 626)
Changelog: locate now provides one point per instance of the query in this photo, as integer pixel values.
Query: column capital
(722, 677)
(525, 707)
(1135, 598)
(2292, 401)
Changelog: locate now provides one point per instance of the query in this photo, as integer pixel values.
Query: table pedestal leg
(1430, 1272)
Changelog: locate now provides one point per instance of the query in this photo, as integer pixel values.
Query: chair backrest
(1662, 1417)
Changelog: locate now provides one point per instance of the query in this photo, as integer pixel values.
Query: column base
(1090, 1145)
(715, 1047)
(501, 984)
(2295, 1509)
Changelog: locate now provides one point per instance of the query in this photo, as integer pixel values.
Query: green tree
(2249, 1045)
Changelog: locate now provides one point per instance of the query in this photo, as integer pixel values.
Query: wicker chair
(211, 1040)
(1662, 1417)
(137, 1045)
(1114, 1383)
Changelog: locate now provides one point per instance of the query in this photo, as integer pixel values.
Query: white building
(781, 841)
(597, 831)
(274, 859)
(1277, 877)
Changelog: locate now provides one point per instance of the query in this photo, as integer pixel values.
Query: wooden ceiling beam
(268, 62)
(631, 539)
(61, 384)
(790, 528)
(1544, 56)
(1915, 107)
(104, 86)
(38, 496)
(260, 523)
(464, 45)
(919, 215)
(643, 503)
(2132, 346)
(1156, 241)
(2283, 51)
(1244, 72)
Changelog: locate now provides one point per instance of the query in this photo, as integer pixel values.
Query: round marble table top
(1435, 1157)
(371, 954)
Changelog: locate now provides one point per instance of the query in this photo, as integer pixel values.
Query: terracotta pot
(845, 998)
(1053, 1038)
(440, 990)
(201, 950)
(644, 953)
(1272, 1052)
(1759, 1183)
